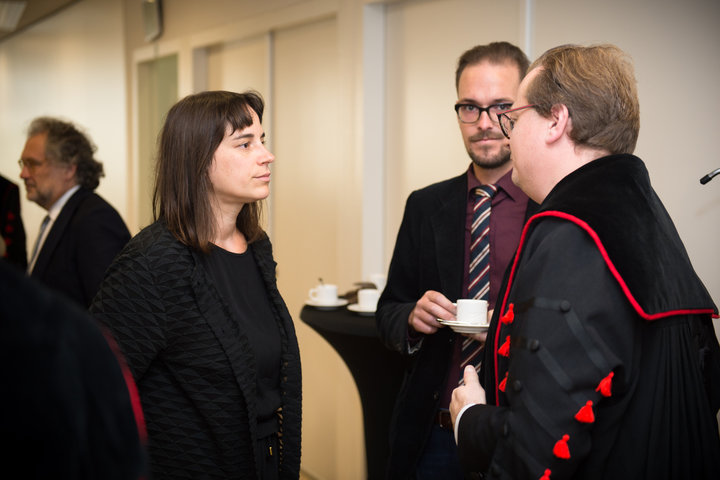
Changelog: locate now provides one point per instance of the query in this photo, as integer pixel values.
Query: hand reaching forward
(469, 394)
(428, 309)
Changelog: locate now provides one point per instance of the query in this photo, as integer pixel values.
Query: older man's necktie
(479, 269)
(33, 257)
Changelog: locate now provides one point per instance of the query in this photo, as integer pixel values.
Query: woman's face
(240, 170)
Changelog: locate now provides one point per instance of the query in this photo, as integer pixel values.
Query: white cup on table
(368, 298)
(324, 294)
(379, 280)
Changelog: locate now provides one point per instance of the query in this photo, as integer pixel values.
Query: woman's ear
(559, 122)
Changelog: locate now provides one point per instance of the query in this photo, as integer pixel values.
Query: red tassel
(501, 387)
(546, 475)
(605, 385)
(504, 350)
(585, 414)
(509, 315)
(561, 449)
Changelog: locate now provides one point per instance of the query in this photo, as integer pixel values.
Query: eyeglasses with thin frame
(470, 113)
(506, 123)
(30, 164)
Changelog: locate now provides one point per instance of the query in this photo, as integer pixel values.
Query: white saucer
(461, 327)
(361, 310)
(340, 302)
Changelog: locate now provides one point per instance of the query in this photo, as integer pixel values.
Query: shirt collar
(58, 206)
(505, 184)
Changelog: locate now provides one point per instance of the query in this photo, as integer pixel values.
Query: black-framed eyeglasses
(470, 113)
(506, 123)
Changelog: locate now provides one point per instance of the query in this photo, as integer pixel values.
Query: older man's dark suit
(83, 241)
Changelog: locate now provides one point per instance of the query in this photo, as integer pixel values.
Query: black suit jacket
(83, 241)
(11, 225)
(429, 255)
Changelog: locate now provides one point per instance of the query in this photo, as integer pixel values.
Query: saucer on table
(355, 307)
(340, 302)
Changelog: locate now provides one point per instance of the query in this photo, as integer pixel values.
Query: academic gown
(601, 360)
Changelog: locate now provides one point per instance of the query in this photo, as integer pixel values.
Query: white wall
(309, 210)
(70, 65)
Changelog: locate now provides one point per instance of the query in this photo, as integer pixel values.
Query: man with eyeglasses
(81, 233)
(601, 360)
(431, 265)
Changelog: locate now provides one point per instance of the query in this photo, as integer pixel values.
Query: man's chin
(31, 196)
(491, 163)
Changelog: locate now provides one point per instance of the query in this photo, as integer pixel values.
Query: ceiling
(34, 11)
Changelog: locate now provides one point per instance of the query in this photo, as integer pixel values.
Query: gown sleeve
(572, 328)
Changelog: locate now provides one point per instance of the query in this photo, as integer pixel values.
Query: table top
(340, 320)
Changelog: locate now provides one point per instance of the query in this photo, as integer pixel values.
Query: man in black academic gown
(601, 359)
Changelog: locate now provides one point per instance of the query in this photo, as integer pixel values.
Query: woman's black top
(238, 280)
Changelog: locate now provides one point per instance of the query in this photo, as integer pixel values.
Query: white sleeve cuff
(459, 416)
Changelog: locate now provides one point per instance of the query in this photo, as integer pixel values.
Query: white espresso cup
(379, 280)
(368, 298)
(472, 311)
(324, 294)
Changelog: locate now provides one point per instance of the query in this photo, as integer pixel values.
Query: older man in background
(81, 233)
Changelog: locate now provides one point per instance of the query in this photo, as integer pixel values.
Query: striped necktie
(479, 269)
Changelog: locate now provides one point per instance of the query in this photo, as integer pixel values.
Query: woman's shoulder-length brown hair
(193, 130)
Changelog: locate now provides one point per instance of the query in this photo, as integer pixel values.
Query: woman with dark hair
(193, 303)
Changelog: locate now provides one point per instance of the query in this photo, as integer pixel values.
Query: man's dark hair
(496, 53)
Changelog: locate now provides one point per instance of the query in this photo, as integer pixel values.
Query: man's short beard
(491, 162)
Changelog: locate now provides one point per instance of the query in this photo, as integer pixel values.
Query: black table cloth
(377, 372)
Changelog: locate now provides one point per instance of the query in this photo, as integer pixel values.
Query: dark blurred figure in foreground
(67, 411)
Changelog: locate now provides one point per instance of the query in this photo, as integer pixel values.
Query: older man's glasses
(470, 113)
(30, 164)
(506, 123)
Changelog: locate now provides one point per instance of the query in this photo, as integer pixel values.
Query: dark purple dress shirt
(507, 217)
